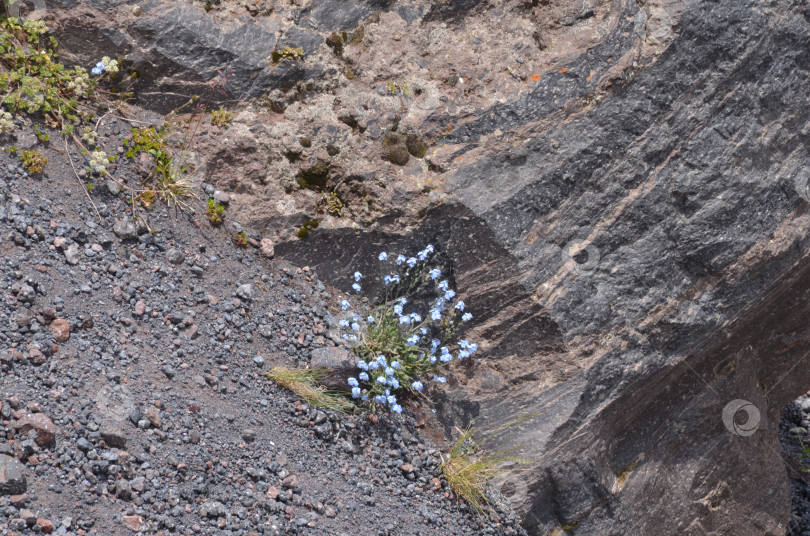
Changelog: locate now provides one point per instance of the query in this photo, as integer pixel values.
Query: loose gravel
(132, 388)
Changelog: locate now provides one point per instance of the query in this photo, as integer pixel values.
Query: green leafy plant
(33, 81)
(287, 53)
(221, 117)
(33, 161)
(396, 349)
(303, 382)
(170, 174)
(468, 467)
(44, 137)
(216, 212)
(308, 226)
(240, 239)
(331, 203)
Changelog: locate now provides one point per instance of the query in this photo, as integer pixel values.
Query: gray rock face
(180, 51)
(638, 265)
(630, 231)
(338, 363)
(12, 479)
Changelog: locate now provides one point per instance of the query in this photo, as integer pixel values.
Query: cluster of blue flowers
(384, 374)
(381, 376)
(105, 65)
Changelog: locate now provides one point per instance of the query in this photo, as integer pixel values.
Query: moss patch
(394, 149)
(358, 35)
(287, 53)
(335, 42)
(315, 177)
(415, 146)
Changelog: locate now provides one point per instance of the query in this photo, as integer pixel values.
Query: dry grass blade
(468, 469)
(303, 383)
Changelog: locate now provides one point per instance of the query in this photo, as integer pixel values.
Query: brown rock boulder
(46, 430)
(60, 329)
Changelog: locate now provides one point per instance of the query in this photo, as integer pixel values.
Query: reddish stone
(46, 430)
(134, 523)
(267, 248)
(46, 525)
(19, 500)
(60, 330)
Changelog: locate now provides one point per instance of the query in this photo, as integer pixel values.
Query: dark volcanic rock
(12, 479)
(637, 264)
(338, 363)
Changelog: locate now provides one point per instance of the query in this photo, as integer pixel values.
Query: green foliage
(402, 88)
(303, 383)
(32, 81)
(170, 174)
(6, 122)
(147, 140)
(216, 212)
(240, 239)
(41, 136)
(33, 161)
(287, 53)
(89, 136)
(308, 226)
(331, 203)
(221, 117)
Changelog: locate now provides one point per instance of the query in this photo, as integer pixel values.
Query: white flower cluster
(6, 124)
(99, 161)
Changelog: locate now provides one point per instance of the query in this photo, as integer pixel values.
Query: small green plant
(99, 161)
(468, 468)
(240, 239)
(396, 349)
(221, 117)
(309, 225)
(216, 212)
(402, 88)
(171, 175)
(331, 203)
(148, 140)
(33, 81)
(33, 161)
(287, 53)
(303, 382)
(6, 122)
(89, 136)
(41, 136)
(146, 199)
